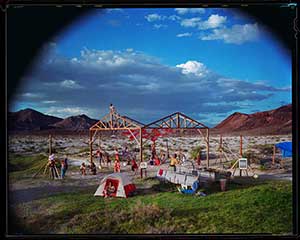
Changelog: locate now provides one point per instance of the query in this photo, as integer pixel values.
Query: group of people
(92, 168)
(54, 174)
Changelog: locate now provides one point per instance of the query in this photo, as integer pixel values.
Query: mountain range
(276, 121)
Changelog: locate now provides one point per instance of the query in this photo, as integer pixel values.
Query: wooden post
(91, 147)
(168, 153)
(50, 144)
(241, 145)
(207, 148)
(273, 157)
(221, 146)
(141, 145)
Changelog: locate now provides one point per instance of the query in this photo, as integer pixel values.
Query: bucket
(223, 184)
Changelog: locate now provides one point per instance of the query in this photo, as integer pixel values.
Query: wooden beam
(273, 157)
(207, 148)
(91, 147)
(134, 136)
(241, 145)
(50, 144)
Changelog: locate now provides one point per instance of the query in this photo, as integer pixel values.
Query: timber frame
(115, 122)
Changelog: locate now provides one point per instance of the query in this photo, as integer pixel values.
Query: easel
(236, 166)
(46, 166)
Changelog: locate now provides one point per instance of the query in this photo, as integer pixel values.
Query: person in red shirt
(156, 160)
(117, 156)
(117, 166)
(134, 165)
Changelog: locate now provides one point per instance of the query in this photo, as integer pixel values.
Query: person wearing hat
(52, 167)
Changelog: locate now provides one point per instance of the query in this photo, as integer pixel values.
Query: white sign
(143, 165)
(243, 162)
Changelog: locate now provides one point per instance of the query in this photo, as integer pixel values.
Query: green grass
(21, 167)
(262, 208)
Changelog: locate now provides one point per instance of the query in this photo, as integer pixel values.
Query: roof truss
(176, 120)
(114, 121)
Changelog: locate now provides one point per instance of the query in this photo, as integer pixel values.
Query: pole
(221, 142)
(207, 148)
(50, 144)
(91, 147)
(141, 145)
(241, 145)
(273, 157)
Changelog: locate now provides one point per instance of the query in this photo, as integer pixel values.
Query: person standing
(199, 158)
(153, 151)
(117, 155)
(63, 169)
(52, 167)
(100, 157)
(83, 169)
(117, 167)
(66, 163)
(93, 168)
(174, 162)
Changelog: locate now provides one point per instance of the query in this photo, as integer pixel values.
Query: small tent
(286, 148)
(115, 185)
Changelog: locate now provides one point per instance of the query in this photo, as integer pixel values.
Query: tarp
(286, 148)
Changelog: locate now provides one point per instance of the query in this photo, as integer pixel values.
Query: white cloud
(158, 26)
(31, 95)
(174, 17)
(187, 34)
(154, 17)
(193, 67)
(49, 102)
(182, 11)
(70, 111)
(237, 34)
(213, 21)
(190, 22)
(114, 10)
(70, 84)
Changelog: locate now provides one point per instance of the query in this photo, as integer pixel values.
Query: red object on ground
(113, 191)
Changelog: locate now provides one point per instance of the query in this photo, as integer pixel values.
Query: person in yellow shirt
(174, 162)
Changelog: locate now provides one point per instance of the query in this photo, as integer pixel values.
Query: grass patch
(25, 166)
(263, 208)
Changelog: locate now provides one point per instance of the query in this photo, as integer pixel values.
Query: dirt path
(33, 189)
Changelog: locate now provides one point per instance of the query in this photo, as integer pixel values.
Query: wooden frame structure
(114, 122)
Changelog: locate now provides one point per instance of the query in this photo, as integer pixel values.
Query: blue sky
(206, 63)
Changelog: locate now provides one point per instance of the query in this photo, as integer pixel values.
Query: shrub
(195, 151)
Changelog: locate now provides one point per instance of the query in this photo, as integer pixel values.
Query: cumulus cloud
(237, 34)
(193, 67)
(154, 17)
(134, 80)
(214, 21)
(69, 111)
(187, 34)
(183, 11)
(70, 84)
(190, 22)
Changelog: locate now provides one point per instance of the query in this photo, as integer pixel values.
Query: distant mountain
(30, 120)
(75, 123)
(277, 121)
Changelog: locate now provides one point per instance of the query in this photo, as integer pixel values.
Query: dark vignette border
(77, 8)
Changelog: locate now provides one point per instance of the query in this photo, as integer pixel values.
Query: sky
(205, 62)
